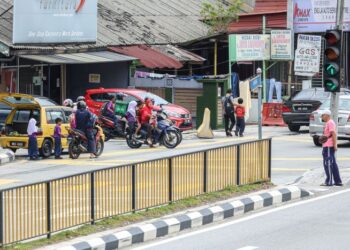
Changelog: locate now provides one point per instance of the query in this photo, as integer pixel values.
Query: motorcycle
(78, 142)
(164, 133)
(109, 129)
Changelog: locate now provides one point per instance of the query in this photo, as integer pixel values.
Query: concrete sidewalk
(194, 218)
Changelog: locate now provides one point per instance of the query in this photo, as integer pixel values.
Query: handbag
(322, 139)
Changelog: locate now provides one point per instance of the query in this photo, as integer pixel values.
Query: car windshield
(344, 104)
(311, 94)
(3, 114)
(157, 100)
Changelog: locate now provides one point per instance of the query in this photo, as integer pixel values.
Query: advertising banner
(281, 45)
(52, 21)
(249, 48)
(318, 15)
(308, 55)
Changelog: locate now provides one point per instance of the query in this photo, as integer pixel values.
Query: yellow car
(14, 133)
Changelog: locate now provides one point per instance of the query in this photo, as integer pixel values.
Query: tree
(220, 14)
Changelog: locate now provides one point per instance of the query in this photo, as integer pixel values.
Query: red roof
(149, 57)
(274, 10)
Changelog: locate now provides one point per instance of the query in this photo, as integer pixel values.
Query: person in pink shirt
(328, 151)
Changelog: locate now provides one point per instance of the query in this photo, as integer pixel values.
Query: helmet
(68, 103)
(119, 96)
(80, 98)
(81, 105)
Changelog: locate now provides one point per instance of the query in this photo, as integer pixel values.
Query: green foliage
(220, 14)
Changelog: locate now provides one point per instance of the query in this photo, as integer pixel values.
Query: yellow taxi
(14, 133)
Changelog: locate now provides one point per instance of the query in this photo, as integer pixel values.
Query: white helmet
(68, 103)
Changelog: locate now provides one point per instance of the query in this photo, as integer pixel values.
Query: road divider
(170, 225)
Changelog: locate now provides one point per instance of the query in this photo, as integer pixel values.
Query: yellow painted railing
(40, 209)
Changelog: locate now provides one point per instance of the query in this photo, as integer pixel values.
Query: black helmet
(81, 105)
(119, 96)
(80, 98)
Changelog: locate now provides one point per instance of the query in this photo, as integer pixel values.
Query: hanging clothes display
(275, 86)
(235, 84)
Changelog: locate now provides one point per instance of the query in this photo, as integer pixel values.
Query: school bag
(228, 105)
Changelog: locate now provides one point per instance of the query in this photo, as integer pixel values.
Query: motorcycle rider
(146, 114)
(71, 119)
(84, 123)
(109, 108)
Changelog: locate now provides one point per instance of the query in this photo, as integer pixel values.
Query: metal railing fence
(44, 208)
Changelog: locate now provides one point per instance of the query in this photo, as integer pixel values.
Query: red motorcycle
(110, 130)
(78, 142)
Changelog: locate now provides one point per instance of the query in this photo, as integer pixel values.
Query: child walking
(58, 136)
(240, 114)
(32, 131)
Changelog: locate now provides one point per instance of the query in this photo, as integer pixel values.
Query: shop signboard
(282, 45)
(52, 21)
(307, 55)
(249, 48)
(318, 15)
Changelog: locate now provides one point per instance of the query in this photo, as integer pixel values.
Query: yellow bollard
(204, 131)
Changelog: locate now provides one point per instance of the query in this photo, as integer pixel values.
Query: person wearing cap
(328, 151)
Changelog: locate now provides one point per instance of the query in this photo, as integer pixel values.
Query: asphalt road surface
(320, 223)
(292, 155)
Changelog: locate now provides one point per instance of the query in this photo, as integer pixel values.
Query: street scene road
(320, 223)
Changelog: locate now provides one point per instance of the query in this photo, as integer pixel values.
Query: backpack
(228, 105)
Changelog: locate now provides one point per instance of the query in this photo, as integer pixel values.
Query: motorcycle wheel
(132, 143)
(180, 136)
(73, 150)
(171, 139)
(99, 147)
(107, 135)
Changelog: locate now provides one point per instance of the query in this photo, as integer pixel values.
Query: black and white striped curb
(6, 156)
(151, 231)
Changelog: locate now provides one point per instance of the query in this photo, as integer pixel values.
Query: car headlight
(172, 114)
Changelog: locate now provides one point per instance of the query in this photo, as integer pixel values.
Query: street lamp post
(259, 72)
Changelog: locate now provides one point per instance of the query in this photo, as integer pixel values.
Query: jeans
(278, 87)
(330, 166)
(229, 118)
(33, 147)
(58, 147)
(91, 141)
(240, 125)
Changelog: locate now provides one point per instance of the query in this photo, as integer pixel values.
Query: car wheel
(294, 128)
(46, 148)
(316, 142)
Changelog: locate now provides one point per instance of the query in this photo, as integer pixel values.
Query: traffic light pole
(335, 96)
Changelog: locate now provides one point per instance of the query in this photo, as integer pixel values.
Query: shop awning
(181, 55)
(80, 58)
(149, 57)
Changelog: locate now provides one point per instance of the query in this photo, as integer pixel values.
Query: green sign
(249, 48)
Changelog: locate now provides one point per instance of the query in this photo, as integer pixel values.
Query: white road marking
(248, 248)
(250, 217)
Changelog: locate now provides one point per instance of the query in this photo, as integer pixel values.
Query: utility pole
(335, 96)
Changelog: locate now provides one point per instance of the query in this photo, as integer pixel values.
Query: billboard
(249, 48)
(308, 55)
(318, 16)
(281, 45)
(54, 21)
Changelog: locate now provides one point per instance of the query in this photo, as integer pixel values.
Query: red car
(95, 98)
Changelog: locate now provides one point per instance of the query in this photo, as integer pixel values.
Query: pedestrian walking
(229, 112)
(329, 147)
(32, 131)
(240, 115)
(58, 136)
